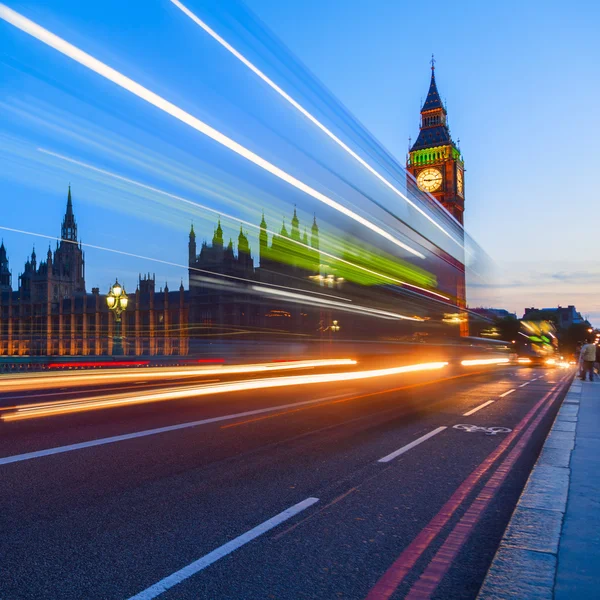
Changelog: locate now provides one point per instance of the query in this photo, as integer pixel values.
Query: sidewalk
(551, 547)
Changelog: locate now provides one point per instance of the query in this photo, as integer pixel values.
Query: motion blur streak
(127, 399)
(359, 397)
(344, 307)
(308, 115)
(64, 47)
(238, 220)
(186, 267)
(80, 378)
(484, 361)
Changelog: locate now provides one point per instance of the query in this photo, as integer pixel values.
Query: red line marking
(445, 556)
(393, 577)
(131, 363)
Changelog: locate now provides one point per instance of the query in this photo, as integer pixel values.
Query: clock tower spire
(434, 159)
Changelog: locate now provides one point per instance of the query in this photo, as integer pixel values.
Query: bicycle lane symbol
(486, 430)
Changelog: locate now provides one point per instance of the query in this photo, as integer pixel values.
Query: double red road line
(443, 559)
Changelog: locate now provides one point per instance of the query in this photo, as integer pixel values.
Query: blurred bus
(537, 344)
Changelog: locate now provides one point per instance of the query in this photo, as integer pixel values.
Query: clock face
(459, 182)
(429, 180)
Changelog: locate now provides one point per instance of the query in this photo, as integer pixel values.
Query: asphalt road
(361, 489)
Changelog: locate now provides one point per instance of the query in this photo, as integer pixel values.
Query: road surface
(359, 489)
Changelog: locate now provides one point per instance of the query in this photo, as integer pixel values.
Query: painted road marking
(432, 576)
(486, 430)
(524, 384)
(474, 410)
(208, 559)
(138, 434)
(411, 445)
(507, 393)
(389, 582)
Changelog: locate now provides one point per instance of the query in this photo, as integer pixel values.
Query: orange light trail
(350, 398)
(81, 378)
(129, 399)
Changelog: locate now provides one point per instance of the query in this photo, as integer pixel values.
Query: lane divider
(474, 410)
(445, 556)
(525, 384)
(388, 583)
(414, 443)
(208, 559)
(169, 428)
(148, 432)
(477, 408)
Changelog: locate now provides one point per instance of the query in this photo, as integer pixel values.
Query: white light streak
(149, 258)
(64, 47)
(308, 115)
(343, 307)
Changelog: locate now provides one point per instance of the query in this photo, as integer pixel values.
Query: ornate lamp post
(117, 300)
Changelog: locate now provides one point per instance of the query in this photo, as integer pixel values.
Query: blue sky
(520, 81)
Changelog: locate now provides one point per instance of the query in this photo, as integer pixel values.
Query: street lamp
(334, 326)
(117, 300)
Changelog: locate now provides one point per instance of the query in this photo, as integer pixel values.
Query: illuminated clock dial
(459, 182)
(429, 180)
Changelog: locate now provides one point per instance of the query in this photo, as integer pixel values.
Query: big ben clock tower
(434, 159)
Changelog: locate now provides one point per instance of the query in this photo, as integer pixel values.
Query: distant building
(62, 274)
(5, 273)
(51, 314)
(435, 167)
(564, 316)
(220, 301)
(434, 160)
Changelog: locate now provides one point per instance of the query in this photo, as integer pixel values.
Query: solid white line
(138, 434)
(524, 384)
(507, 393)
(411, 445)
(172, 580)
(474, 410)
